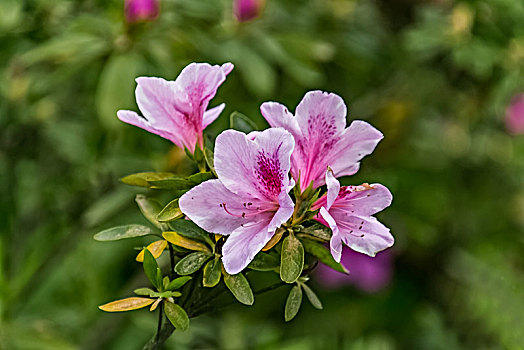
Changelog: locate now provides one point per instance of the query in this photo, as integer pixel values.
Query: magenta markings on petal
(250, 199)
(321, 138)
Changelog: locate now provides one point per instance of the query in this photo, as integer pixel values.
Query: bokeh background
(439, 78)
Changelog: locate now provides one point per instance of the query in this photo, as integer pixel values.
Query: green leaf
(264, 262)
(184, 242)
(313, 298)
(292, 259)
(150, 267)
(115, 88)
(178, 282)
(191, 263)
(150, 209)
(142, 179)
(210, 160)
(319, 231)
(122, 232)
(159, 278)
(145, 291)
(189, 229)
(170, 212)
(323, 255)
(198, 178)
(239, 286)
(212, 272)
(293, 302)
(176, 315)
(240, 122)
(171, 183)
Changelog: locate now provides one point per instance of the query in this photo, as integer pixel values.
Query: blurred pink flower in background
(366, 273)
(247, 10)
(140, 10)
(515, 115)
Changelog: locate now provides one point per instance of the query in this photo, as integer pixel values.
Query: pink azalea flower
(367, 274)
(348, 212)
(247, 10)
(176, 110)
(140, 10)
(250, 199)
(515, 115)
(321, 137)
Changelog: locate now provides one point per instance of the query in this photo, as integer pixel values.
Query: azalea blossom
(515, 115)
(368, 274)
(140, 10)
(348, 212)
(250, 199)
(321, 137)
(177, 110)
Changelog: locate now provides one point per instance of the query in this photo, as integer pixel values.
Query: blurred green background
(434, 76)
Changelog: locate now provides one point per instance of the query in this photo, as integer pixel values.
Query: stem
(172, 262)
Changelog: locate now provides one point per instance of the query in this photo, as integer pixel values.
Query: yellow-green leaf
(176, 315)
(291, 259)
(126, 304)
(150, 209)
(142, 179)
(121, 232)
(184, 242)
(170, 212)
(275, 239)
(156, 248)
(239, 286)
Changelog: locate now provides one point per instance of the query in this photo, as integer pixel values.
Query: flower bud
(247, 10)
(140, 10)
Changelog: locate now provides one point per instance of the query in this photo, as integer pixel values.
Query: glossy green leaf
(240, 122)
(323, 255)
(292, 259)
(212, 272)
(150, 209)
(145, 291)
(264, 262)
(312, 296)
(293, 302)
(210, 159)
(239, 286)
(177, 315)
(171, 183)
(198, 178)
(189, 229)
(170, 212)
(150, 267)
(178, 282)
(142, 179)
(122, 232)
(191, 263)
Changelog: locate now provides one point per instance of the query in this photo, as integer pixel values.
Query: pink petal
(333, 188)
(357, 141)
(133, 118)
(242, 246)
(213, 207)
(165, 109)
(284, 212)
(364, 200)
(211, 114)
(278, 116)
(336, 242)
(362, 234)
(256, 168)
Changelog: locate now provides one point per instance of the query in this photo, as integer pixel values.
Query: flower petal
(211, 114)
(363, 234)
(242, 246)
(284, 212)
(364, 200)
(256, 168)
(333, 188)
(357, 141)
(166, 109)
(336, 242)
(278, 116)
(321, 117)
(133, 118)
(213, 207)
